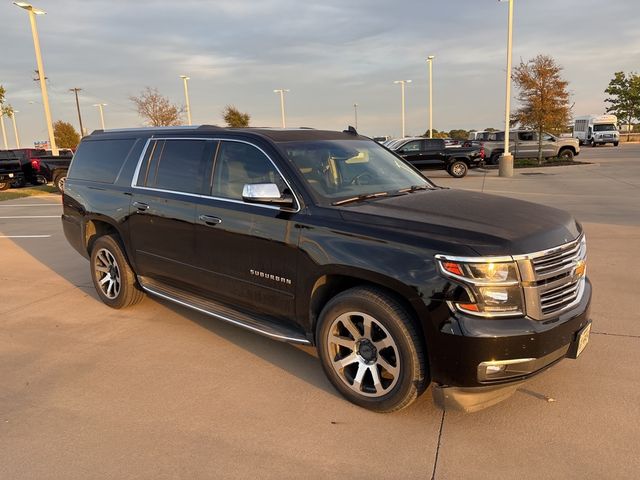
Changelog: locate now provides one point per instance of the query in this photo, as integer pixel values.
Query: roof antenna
(350, 130)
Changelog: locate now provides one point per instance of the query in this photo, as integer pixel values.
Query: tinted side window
(100, 160)
(175, 165)
(434, 144)
(238, 164)
(414, 146)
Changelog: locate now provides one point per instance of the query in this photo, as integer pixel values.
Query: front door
(246, 253)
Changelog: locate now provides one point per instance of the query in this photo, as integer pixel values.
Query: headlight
(494, 287)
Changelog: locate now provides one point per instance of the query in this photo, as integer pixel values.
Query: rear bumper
(11, 177)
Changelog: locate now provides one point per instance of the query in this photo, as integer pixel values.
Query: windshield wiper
(413, 188)
(359, 198)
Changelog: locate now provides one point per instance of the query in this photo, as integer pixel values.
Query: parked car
(10, 169)
(40, 167)
(524, 144)
(432, 153)
(329, 239)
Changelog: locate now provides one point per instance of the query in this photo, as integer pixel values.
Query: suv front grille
(553, 280)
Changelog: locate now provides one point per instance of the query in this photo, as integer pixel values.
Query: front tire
(370, 350)
(4, 185)
(458, 169)
(112, 275)
(615, 144)
(566, 154)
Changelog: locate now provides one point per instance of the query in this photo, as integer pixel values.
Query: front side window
(336, 169)
(414, 146)
(175, 165)
(238, 164)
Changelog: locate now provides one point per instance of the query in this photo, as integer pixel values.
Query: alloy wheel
(107, 273)
(363, 354)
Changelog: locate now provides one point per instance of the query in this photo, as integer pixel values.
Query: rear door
(163, 213)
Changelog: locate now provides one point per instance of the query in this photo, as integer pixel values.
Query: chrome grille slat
(556, 288)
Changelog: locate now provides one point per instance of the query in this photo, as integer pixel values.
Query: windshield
(604, 127)
(336, 169)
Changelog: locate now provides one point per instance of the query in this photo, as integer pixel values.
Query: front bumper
(464, 343)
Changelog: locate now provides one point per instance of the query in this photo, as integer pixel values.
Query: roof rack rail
(207, 127)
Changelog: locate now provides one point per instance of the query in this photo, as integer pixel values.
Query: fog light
(495, 369)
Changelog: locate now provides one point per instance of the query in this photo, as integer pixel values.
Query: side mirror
(267, 194)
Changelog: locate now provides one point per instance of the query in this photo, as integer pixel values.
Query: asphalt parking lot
(159, 391)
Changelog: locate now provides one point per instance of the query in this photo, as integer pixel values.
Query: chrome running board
(261, 325)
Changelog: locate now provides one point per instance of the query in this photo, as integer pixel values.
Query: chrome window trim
(136, 173)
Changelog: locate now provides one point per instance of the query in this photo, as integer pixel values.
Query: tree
(624, 97)
(235, 118)
(157, 110)
(459, 134)
(544, 98)
(65, 135)
(2, 93)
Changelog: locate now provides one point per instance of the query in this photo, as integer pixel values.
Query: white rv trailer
(596, 130)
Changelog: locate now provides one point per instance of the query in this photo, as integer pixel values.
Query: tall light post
(76, 90)
(282, 91)
(355, 112)
(186, 96)
(505, 168)
(4, 131)
(430, 61)
(402, 84)
(15, 126)
(100, 105)
(43, 84)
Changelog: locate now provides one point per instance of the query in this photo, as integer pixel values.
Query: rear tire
(458, 169)
(370, 350)
(58, 181)
(494, 159)
(112, 275)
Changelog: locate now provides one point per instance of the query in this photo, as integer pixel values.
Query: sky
(330, 54)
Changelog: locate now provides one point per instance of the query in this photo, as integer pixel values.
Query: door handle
(141, 206)
(210, 220)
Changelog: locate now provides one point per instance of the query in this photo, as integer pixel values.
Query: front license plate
(583, 339)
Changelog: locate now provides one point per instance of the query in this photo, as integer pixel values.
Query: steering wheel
(366, 176)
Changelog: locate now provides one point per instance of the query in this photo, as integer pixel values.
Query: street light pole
(4, 132)
(100, 105)
(402, 84)
(186, 96)
(43, 84)
(15, 127)
(506, 159)
(430, 61)
(355, 111)
(282, 91)
(76, 90)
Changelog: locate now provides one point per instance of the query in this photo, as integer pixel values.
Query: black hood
(489, 224)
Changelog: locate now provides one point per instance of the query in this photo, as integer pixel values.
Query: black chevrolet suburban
(328, 239)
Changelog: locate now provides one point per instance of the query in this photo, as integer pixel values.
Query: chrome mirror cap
(267, 193)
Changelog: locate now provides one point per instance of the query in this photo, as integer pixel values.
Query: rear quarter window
(100, 160)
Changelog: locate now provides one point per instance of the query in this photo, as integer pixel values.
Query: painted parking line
(31, 216)
(25, 236)
(32, 205)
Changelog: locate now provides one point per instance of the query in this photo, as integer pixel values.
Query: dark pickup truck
(432, 153)
(329, 239)
(10, 169)
(38, 166)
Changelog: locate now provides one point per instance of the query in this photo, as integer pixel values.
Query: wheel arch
(330, 284)
(94, 228)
